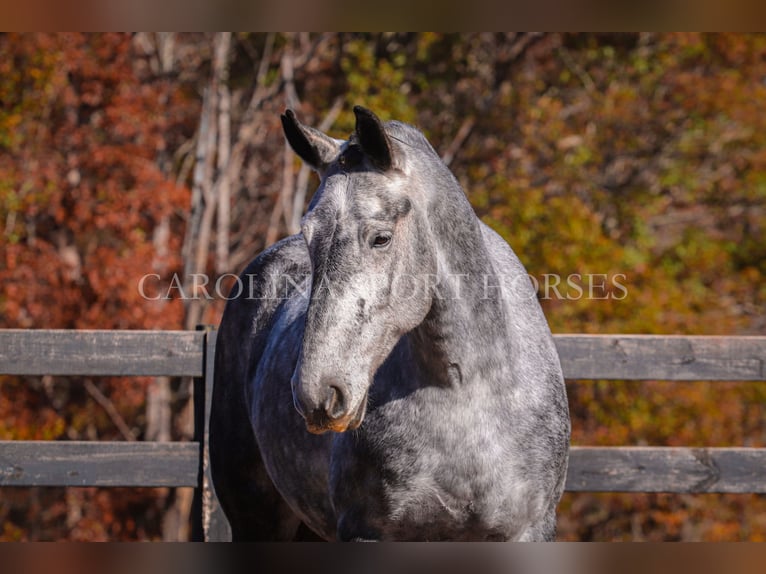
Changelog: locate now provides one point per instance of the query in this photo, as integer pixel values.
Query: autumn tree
(89, 203)
(636, 157)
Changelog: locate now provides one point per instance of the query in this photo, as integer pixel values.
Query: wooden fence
(190, 354)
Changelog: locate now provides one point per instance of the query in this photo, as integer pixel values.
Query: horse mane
(409, 135)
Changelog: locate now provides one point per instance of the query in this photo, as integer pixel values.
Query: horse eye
(381, 240)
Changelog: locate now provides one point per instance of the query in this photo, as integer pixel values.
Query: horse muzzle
(334, 413)
(351, 422)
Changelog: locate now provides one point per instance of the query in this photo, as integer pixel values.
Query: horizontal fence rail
(101, 353)
(662, 357)
(189, 353)
(180, 353)
(103, 463)
(667, 469)
(591, 469)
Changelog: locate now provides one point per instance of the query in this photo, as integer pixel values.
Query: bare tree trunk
(288, 182)
(284, 197)
(214, 233)
(292, 198)
(159, 399)
(160, 48)
(158, 412)
(197, 206)
(212, 186)
(166, 42)
(302, 182)
(210, 192)
(224, 149)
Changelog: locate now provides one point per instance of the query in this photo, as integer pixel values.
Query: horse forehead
(331, 201)
(359, 195)
(367, 204)
(346, 197)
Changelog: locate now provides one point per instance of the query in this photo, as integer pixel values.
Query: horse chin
(351, 421)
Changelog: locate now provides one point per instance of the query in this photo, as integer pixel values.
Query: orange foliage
(82, 188)
(87, 199)
(634, 154)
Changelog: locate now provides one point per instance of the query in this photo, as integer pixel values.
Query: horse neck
(466, 328)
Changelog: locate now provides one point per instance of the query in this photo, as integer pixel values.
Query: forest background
(637, 157)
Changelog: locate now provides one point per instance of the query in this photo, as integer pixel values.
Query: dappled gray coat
(387, 374)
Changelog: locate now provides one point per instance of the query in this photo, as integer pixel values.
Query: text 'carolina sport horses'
(387, 373)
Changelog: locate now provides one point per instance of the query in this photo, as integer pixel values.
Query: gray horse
(402, 323)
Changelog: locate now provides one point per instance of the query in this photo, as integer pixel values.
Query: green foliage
(376, 81)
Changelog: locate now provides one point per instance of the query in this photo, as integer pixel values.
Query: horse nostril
(335, 404)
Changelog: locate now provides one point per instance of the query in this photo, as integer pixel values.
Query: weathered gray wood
(595, 469)
(667, 469)
(77, 463)
(81, 352)
(215, 525)
(662, 357)
(180, 353)
(189, 353)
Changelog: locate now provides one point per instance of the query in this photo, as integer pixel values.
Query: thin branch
(301, 185)
(288, 182)
(576, 69)
(248, 128)
(522, 43)
(285, 193)
(263, 66)
(261, 92)
(460, 137)
(110, 409)
(185, 157)
(287, 65)
(302, 59)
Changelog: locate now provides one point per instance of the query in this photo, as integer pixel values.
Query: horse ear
(312, 146)
(373, 139)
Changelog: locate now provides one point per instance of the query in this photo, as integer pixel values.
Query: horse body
(444, 390)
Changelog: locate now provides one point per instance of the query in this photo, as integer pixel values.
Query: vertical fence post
(198, 393)
(209, 522)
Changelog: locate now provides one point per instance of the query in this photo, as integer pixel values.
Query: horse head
(370, 249)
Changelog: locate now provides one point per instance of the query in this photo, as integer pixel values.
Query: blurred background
(639, 158)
